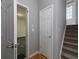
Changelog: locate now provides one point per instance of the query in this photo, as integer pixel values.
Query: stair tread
(69, 56)
(71, 38)
(71, 43)
(71, 49)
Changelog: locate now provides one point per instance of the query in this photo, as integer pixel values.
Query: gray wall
(44, 3)
(60, 26)
(3, 30)
(59, 23)
(76, 10)
(33, 20)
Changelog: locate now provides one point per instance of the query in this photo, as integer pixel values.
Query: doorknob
(10, 45)
(49, 36)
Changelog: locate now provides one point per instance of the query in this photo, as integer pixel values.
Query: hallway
(35, 29)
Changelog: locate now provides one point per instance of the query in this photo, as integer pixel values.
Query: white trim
(62, 43)
(35, 53)
(27, 26)
(15, 28)
(23, 5)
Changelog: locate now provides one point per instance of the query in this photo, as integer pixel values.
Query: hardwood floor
(38, 56)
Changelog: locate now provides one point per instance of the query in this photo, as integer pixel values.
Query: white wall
(3, 30)
(33, 22)
(21, 21)
(60, 26)
(21, 30)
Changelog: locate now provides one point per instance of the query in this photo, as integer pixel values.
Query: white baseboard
(37, 52)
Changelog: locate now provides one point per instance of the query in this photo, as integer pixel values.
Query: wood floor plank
(38, 56)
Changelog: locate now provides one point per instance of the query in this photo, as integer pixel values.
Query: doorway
(22, 32)
(46, 32)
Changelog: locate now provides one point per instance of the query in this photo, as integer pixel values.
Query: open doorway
(22, 32)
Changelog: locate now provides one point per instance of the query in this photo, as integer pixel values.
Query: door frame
(15, 29)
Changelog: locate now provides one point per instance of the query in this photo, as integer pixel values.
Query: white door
(46, 38)
(7, 29)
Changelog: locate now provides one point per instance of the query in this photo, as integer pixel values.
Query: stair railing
(62, 42)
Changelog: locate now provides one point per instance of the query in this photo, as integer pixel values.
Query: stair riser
(72, 32)
(72, 27)
(63, 57)
(71, 36)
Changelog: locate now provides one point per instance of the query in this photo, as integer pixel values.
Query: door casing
(15, 29)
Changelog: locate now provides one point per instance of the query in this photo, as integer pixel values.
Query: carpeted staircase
(70, 44)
